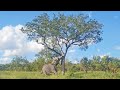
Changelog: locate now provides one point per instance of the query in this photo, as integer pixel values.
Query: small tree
(114, 64)
(60, 32)
(105, 61)
(19, 63)
(97, 63)
(84, 65)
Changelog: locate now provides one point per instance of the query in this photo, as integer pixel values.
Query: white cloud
(11, 37)
(102, 56)
(90, 14)
(89, 41)
(75, 62)
(5, 60)
(33, 46)
(117, 47)
(106, 54)
(71, 51)
(8, 53)
(14, 42)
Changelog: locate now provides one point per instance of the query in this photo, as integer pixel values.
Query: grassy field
(68, 75)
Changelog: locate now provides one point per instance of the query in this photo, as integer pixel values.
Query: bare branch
(46, 45)
(52, 49)
(58, 42)
(65, 33)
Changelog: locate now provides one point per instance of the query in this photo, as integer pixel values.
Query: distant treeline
(97, 63)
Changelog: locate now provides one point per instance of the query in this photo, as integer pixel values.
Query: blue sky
(13, 20)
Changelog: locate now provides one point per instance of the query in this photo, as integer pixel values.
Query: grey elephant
(49, 68)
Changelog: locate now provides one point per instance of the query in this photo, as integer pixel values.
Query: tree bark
(62, 59)
(63, 66)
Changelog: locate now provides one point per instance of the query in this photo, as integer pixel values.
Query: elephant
(56, 60)
(49, 68)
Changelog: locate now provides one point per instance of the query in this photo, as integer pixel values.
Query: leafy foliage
(19, 63)
(60, 32)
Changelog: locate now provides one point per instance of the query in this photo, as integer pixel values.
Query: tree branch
(46, 45)
(65, 33)
(59, 45)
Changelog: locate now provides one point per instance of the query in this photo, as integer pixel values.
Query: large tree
(60, 32)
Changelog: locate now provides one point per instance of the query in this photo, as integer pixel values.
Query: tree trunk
(63, 66)
(86, 70)
(56, 62)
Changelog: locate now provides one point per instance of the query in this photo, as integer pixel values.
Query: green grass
(68, 75)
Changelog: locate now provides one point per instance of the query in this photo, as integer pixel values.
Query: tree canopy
(60, 32)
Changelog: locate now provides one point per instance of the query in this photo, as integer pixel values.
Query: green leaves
(72, 30)
(19, 63)
(84, 64)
